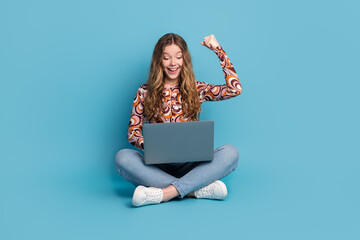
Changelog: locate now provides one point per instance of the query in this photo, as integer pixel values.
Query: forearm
(134, 135)
(136, 139)
(232, 81)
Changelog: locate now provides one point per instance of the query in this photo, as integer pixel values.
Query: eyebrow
(175, 53)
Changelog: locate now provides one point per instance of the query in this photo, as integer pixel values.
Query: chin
(172, 77)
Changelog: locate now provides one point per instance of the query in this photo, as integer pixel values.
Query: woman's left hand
(210, 42)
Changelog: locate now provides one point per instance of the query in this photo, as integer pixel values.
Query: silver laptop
(178, 142)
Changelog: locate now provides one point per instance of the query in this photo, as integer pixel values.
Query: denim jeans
(186, 177)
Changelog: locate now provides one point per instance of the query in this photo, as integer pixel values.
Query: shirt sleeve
(135, 136)
(232, 88)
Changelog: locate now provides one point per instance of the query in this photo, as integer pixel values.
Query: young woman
(172, 94)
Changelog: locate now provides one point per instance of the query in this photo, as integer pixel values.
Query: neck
(171, 82)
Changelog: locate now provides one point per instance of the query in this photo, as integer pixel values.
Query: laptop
(178, 142)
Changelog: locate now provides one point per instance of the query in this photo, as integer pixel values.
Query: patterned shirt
(172, 111)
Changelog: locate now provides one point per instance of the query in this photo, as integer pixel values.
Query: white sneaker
(215, 190)
(144, 196)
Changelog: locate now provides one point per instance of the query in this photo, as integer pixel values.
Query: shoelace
(208, 190)
(152, 196)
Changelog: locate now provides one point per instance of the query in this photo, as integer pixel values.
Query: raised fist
(210, 42)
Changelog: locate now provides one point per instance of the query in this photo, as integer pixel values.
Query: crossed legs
(131, 166)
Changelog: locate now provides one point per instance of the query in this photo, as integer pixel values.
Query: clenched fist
(210, 42)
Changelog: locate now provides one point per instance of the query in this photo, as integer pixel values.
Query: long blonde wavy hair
(191, 105)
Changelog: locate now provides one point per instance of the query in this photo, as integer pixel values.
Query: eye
(179, 57)
(166, 58)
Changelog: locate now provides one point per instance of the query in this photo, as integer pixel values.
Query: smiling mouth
(173, 70)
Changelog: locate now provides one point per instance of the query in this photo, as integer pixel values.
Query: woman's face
(172, 61)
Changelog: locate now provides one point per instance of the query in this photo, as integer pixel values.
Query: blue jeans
(186, 177)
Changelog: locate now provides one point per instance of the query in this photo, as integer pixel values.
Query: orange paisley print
(172, 108)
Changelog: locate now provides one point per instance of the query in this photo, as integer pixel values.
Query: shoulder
(200, 83)
(143, 87)
(141, 91)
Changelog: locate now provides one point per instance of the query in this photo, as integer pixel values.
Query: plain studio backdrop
(69, 73)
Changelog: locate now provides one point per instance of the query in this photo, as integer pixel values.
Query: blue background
(70, 70)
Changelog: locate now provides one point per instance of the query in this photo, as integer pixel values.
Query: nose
(172, 61)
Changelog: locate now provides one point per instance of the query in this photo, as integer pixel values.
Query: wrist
(217, 49)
